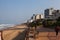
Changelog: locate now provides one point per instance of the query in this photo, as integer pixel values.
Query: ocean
(5, 26)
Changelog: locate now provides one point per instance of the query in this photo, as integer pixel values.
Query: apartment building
(37, 16)
(51, 13)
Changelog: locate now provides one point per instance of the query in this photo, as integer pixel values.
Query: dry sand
(14, 34)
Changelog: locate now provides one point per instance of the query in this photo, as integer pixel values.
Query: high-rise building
(56, 14)
(51, 13)
(48, 12)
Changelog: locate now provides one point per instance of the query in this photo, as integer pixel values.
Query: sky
(18, 11)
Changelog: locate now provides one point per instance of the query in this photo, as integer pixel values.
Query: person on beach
(57, 29)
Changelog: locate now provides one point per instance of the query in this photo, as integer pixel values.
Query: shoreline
(9, 34)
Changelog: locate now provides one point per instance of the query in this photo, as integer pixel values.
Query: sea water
(4, 26)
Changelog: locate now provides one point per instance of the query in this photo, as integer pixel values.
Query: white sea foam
(4, 26)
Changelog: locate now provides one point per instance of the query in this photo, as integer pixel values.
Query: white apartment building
(51, 13)
(48, 12)
(37, 16)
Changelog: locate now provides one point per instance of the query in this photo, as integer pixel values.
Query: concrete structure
(56, 14)
(42, 16)
(52, 13)
(48, 13)
(37, 16)
(30, 20)
(33, 17)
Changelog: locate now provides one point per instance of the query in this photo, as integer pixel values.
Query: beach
(14, 33)
(19, 33)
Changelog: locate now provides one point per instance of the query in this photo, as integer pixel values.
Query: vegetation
(49, 23)
(58, 21)
(46, 23)
(35, 23)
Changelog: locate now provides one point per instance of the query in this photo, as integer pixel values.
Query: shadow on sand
(20, 36)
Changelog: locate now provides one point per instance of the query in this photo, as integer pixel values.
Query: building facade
(56, 14)
(48, 13)
(51, 13)
(37, 16)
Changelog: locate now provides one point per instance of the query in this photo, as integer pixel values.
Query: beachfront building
(30, 21)
(56, 14)
(51, 13)
(33, 17)
(48, 13)
(37, 16)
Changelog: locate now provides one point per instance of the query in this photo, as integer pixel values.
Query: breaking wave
(4, 26)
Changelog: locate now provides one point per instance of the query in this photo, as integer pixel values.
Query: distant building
(37, 16)
(51, 13)
(48, 12)
(33, 17)
(42, 16)
(56, 14)
(29, 21)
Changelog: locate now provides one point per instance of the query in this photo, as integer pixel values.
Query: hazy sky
(18, 11)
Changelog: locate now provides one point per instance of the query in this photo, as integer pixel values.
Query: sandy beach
(14, 33)
(19, 32)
